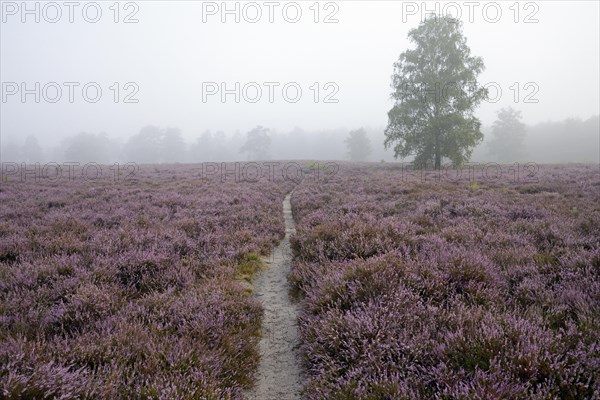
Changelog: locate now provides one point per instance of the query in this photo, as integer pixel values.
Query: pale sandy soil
(279, 375)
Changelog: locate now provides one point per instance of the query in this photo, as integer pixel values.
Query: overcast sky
(171, 54)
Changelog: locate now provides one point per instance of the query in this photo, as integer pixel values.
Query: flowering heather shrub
(434, 289)
(125, 289)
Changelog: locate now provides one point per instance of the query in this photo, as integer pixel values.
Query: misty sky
(170, 52)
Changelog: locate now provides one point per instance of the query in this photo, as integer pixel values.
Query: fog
(185, 82)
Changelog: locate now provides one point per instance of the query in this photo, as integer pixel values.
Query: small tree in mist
(202, 150)
(257, 144)
(31, 152)
(223, 146)
(144, 147)
(359, 145)
(153, 145)
(172, 146)
(435, 92)
(508, 134)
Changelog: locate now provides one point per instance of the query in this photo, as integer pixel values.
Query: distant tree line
(507, 140)
(167, 145)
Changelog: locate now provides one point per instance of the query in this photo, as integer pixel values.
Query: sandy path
(279, 376)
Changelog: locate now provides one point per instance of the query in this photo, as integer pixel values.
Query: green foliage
(249, 265)
(257, 144)
(312, 165)
(435, 92)
(574, 210)
(545, 258)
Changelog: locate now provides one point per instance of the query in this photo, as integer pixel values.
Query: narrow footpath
(279, 375)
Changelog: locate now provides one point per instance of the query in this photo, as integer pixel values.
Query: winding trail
(279, 374)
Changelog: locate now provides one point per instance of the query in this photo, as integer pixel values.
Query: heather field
(408, 285)
(130, 289)
(413, 287)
